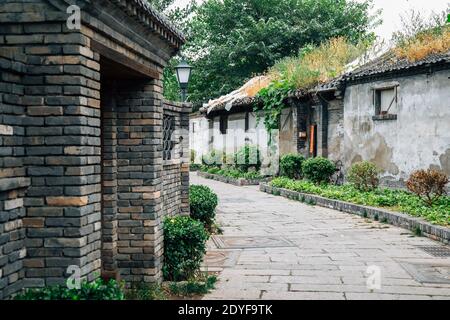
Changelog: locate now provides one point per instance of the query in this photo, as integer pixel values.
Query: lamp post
(183, 74)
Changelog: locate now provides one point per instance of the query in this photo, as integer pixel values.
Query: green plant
(272, 105)
(193, 287)
(213, 170)
(193, 156)
(203, 203)
(213, 158)
(396, 200)
(318, 170)
(96, 290)
(417, 231)
(364, 176)
(429, 185)
(145, 291)
(195, 167)
(291, 166)
(248, 157)
(184, 247)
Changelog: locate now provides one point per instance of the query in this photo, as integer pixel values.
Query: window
(247, 121)
(193, 127)
(223, 124)
(385, 101)
(168, 129)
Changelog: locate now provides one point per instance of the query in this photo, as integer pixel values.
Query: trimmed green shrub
(248, 157)
(318, 170)
(291, 166)
(203, 202)
(184, 248)
(364, 176)
(97, 290)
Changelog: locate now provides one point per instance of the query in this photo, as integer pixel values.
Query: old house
(392, 112)
(228, 123)
(91, 155)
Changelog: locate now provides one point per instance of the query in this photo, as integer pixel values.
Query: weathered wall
(418, 139)
(207, 139)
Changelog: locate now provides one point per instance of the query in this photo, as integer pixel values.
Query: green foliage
(272, 105)
(203, 202)
(291, 166)
(364, 176)
(184, 248)
(193, 287)
(213, 170)
(97, 290)
(248, 157)
(145, 291)
(213, 158)
(395, 200)
(318, 170)
(231, 40)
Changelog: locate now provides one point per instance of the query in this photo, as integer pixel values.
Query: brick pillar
(109, 181)
(63, 158)
(139, 159)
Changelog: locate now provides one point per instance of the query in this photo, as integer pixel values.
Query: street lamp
(183, 75)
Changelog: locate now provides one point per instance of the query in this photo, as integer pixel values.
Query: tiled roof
(390, 63)
(387, 62)
(146, 13)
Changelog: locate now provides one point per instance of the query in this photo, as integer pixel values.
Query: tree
(231, 40)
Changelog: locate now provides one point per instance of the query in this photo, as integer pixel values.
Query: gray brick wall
(82, 179)
(13, 181)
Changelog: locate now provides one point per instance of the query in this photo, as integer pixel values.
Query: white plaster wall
(418, 139)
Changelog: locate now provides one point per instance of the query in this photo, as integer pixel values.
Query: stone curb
(438, 233)
(237, 182)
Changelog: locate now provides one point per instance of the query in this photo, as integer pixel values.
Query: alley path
(274, 248)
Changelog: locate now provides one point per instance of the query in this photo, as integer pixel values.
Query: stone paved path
(274, 248)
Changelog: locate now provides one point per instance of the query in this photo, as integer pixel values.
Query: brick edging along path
(234, 181)
(438, 233)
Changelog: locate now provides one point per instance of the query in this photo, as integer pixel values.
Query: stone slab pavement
(275, 248)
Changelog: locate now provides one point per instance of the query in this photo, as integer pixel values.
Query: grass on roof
(422, 36)
(316, 64)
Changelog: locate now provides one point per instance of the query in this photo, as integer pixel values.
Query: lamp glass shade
(183, 73)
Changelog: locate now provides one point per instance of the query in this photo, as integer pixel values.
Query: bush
(213, 170)
(184, 248)
(429, 185)
(145, 291)
(97, 290)
(291, 166)
(318, 170)
(213, 158)
(364, 176)
(193, 156)
(193, 287)
(203, 202)
(248, 157)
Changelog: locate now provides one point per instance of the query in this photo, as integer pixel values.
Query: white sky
(392, 10)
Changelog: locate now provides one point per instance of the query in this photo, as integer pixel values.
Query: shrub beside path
(275, 248)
